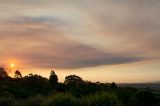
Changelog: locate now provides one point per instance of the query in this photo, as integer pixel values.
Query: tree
(35, 83)
(3, 73)
(18, 74)
(113, 85)
(73, 79)
(53, 79)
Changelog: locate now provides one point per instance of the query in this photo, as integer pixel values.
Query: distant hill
(152, 85)
(156, 82)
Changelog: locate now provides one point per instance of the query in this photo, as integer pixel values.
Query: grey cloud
(72, 55)
(108, 60)
(45, 48)
(45, 19)
(29, 27)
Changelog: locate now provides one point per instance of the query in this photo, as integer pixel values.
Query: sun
(12, 65)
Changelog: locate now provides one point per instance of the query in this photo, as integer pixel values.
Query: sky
(99, 40)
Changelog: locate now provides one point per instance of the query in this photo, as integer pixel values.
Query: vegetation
(35, 90)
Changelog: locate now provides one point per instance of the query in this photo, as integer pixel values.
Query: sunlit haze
(99, 40)
(12, 65)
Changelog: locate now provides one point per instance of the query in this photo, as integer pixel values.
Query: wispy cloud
(78, 34)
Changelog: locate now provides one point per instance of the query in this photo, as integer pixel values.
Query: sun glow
(12, 65)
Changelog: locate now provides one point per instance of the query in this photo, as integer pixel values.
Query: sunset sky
(99, 40)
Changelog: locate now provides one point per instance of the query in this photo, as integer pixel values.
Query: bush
(126, 94)
(143, 98)
(35, 101)
(62, 100)
(103, 99)
(6, 102)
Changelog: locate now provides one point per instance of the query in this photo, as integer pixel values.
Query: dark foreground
(34, 90)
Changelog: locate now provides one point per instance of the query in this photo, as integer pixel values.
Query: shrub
(103, 99)
(6, 102)
(32, 101)
(126, 94)
(143, 98)
(35, 101)
(62, 100)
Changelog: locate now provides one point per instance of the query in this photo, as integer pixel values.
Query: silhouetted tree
(113, 85)
(18, 74)
(3, 73)
(53, 79)
(35, 83)
(73, 79)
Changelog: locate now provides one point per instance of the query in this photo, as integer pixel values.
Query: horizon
(106, 41)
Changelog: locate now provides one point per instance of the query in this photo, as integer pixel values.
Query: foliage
(113, 85)
(72, 79)
(18, 74)
(35, 83)
(3, 73)
(6, 101)
(62, 100)
(144, 98)
(35, 90)
(53, 79)
(103, 99)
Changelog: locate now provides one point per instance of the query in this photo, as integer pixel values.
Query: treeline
(35, 90)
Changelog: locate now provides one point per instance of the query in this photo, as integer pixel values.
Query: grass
(65, 99)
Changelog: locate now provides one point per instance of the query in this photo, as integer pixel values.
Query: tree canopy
(3, 72)
(18, 74)
(53, 79)
(73, 79)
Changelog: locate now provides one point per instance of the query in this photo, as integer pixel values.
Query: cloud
(77, 34)
(69, 55)
(39, 44)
